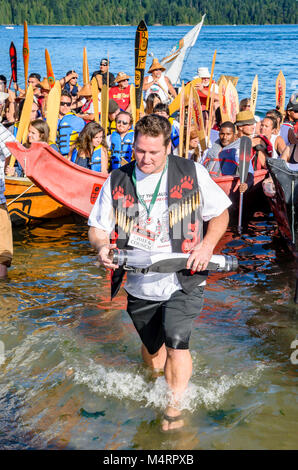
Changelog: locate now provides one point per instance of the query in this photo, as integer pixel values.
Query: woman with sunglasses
(121, 140)
(69, 125)
(90, 150)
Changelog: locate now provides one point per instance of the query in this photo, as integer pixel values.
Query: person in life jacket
(223, 157)
(70, 83)
(158, 83)
(90, 150)
(120, 142)
(160, 202)
(203, 87)
(163, 110)
(69, 125)
(121, 92)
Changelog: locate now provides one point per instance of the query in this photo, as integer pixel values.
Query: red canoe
(73, 186)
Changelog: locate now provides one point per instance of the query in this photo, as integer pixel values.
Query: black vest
(185, 227)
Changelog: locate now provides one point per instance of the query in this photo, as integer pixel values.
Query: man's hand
(104, 258)
(199, 257)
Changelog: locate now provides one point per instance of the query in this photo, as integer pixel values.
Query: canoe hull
(32, 207)
(77, 188)
(285, 202)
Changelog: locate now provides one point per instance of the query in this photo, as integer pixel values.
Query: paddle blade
(254, 95)
(132, 100)
(26, 54)
(94, 88)
(50, 73)
(53, 106)
(13, 62)
(280, 92)
(85, 67)
(244, 157)
(141, 46)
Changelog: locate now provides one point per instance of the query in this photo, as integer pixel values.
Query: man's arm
(201, 254)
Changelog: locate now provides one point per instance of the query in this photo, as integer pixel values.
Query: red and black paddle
(244, 160)
(13, 62)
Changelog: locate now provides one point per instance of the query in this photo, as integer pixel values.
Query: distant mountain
(165, 12)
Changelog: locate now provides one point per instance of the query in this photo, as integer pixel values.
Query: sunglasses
(122, 122)
(63, 103)
(104, 63)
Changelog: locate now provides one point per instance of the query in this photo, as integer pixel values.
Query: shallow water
(72, 376)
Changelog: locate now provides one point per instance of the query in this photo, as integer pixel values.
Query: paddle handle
(240, 213)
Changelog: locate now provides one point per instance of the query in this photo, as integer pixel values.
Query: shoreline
(155, 24)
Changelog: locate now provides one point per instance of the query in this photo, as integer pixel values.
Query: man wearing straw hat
(6, 244)
(121, 92)
(158, 83)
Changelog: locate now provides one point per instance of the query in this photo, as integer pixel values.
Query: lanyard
(155, 194)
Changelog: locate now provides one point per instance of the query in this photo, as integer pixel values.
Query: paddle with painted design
(181, 122)
(53, 106)
(244, 161)
(254, 95)
(24, 121)
(50, 73)
(280, 92)
(198, 119)
(13, 63)
(141, 46)
(222, 86)
(104, 115)
(175, 105)
(210, 117)
(26, 54)
(211, 77)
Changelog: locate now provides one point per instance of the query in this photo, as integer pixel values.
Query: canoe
(284, 203)
(28, 204)
(77, 188)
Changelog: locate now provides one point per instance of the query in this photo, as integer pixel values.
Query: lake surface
(71, 376)
(242, 51)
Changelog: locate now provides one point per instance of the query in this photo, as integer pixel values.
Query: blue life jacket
(174, 137)
(73, 92)
(121, 148)
(68, 130)
(95, 162)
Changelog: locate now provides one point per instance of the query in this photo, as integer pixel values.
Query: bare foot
(172, 419)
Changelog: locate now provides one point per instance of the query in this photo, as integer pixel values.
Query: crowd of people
(148, 170)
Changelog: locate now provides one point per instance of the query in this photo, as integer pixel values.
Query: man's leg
(6, 244)
(178, 315)
(155, 361)
(178, 370)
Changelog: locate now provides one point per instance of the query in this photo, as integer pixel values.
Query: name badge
(142, 238)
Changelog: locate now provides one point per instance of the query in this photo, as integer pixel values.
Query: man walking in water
(160, 203)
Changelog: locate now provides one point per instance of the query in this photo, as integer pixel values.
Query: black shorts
(169, 321)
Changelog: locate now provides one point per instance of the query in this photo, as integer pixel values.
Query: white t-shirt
(157, 286)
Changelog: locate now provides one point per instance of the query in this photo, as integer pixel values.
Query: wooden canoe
(75, 187)
(28, 204)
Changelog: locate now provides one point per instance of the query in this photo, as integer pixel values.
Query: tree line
(165, 12)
